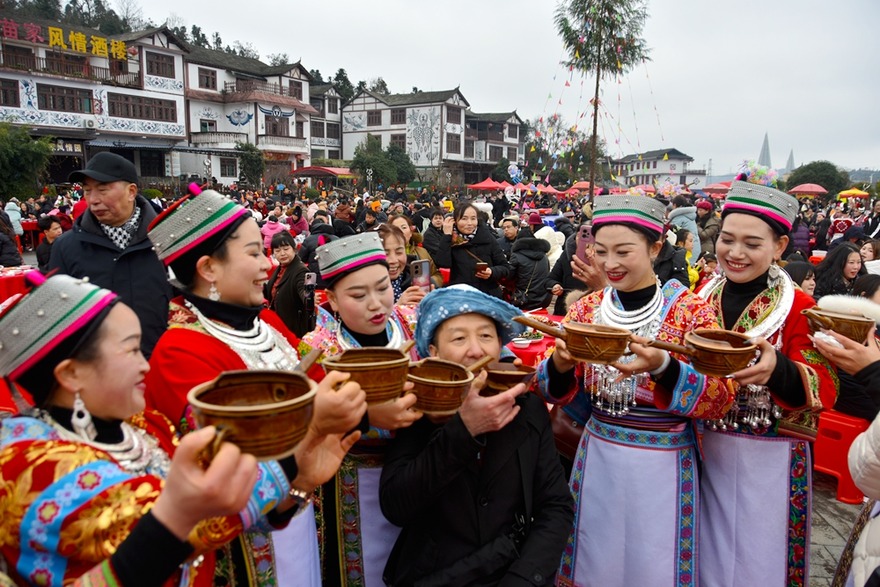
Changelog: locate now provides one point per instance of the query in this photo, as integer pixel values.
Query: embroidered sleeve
(821, 384)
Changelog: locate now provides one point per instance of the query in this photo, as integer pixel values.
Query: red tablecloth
(11, 285)
(534, 354)
(29, 225)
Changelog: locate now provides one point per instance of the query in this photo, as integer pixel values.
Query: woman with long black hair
(9, 255)
(471, 252)
(838, 271)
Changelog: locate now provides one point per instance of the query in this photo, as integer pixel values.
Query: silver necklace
(394, 341)
(606, 393)
(260, 347)
(137, 453)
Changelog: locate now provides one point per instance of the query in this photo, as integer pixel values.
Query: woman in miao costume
(360, 312)
(218, 324)
(93, 489)
(635, 473)
(756, 472)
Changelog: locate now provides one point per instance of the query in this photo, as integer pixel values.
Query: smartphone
(482, 267)
(309, 284)
(420, 270)
(585, 240)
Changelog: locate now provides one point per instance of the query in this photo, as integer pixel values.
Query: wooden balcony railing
(216, 138)
(271, 140)
(255, 85)
(71, 69)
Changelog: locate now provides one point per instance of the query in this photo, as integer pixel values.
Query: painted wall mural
(239, 117)
(163, 83)
(354, 121)
(207, 113)
(423, 135)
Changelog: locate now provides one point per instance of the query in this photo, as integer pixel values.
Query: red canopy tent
(504, 185)
(313, 171)
(525, 188)
(486, 184)
(647, 188)
(808, 189)
(548, 189)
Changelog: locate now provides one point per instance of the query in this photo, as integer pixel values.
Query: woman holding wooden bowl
(756, 473)
(219, 323)
(98, 491)
(635, 473)
(360, 312)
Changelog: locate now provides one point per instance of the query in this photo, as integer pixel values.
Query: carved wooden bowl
(380, 372)
(264, 413)
(502, 376)
(853, 326)
(714, 352)
(439, 385)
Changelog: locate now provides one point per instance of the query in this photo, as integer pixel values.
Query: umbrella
(717, 188)
(582, 185)
(486, 184)
(647, 188)
(852, 193)
(808, 189)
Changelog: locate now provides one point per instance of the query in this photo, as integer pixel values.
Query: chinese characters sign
(75, 41)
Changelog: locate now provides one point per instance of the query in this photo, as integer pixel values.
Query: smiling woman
(215, 250)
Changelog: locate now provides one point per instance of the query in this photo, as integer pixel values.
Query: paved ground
(832, 522)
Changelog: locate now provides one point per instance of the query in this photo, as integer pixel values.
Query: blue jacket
(687, 218)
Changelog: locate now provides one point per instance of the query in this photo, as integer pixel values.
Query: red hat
(535, 218)
(705, 205)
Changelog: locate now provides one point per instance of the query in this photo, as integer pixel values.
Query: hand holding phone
(481, 267)
(420, 270)
(585, 240)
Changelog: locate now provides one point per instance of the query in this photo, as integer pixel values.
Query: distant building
(326, 126)
(658, 167)
(448, 144)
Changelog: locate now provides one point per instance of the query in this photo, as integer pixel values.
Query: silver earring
(213, 294)
(81, 420)
(773, 274)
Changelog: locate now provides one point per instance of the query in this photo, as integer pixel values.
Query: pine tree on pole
(602, 37)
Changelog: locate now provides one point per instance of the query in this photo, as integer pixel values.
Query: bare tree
(278, 59)
(246, 49)
(131, 12)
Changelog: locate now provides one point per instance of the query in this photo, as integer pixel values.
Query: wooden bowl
(714, 352)
(380, 372)
(853, 326)
(439, 385)
(587, 343)
(264, 413)
(502, 376)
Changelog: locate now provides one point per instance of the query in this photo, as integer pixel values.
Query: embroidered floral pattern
(798, 515)
(348, 516)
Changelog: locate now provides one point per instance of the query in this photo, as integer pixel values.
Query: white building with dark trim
(658, 167)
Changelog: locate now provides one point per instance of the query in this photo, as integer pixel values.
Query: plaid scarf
(460, 239)
(122, 235)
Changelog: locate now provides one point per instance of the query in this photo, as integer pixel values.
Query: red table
(11, 285)
(31, 226)
(535, 352)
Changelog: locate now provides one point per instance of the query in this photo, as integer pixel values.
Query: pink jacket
(269, 230)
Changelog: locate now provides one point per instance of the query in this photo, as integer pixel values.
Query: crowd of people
(643, 472)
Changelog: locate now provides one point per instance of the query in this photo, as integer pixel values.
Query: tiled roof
(493, 117)
(415, 98)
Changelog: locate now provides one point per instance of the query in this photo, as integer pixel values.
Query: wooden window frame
(225, 163)
(453, 115)
(141, 108)
(398, 116)
(71, 99)
(207, 78)
(9, 94)
(374, 118)
(453, 143)
(160, 65)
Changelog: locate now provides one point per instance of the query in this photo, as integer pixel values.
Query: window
(453, 115)
(398, 116)
(317, 153)
(374, 118)
(399, 140)
(208, 126)
(333, 105)
(495, 153)
(300, 129)
(317, 128)
(511, 154)
(228, 167)
(63, 99)
(9, 93)
(161, 65)
(277, 126)
(332, 130)
(469, 148)
(19, 57)
(207, 78)
(333, 154)
(125, 106)
(296, 90)
(655, 165)
(153, 163)
(453, 143)
(66, 64)
(513, 131)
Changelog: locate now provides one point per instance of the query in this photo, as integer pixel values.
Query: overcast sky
(723, 72)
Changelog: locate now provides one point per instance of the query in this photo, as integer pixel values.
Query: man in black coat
(433, 235)
(509, 232)
(530, 267)
(320, 232)
(108, 244)
(481, 496)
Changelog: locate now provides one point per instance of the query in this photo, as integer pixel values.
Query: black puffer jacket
(325, 233)
(462, 260)
(671, 263)
(561, 274)
(289, 301)
(564, 226)
(9, 255)
(531, 268)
